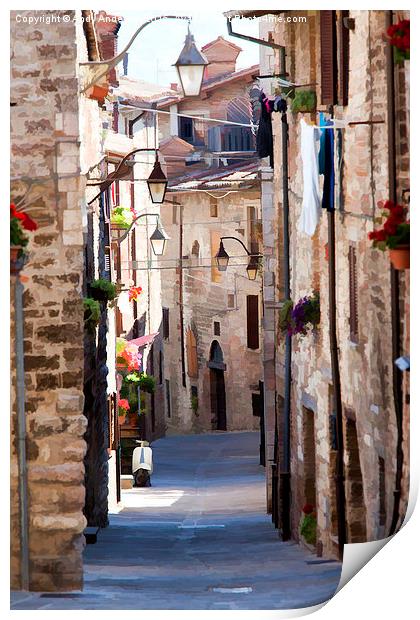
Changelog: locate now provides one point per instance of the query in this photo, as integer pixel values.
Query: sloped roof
(208, 85)
(221, 39)
(240, 175)
(139, 90)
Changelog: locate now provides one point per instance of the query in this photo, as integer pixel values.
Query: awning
(143, 340)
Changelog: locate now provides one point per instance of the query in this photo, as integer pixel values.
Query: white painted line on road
(197, 527)
(244, 590)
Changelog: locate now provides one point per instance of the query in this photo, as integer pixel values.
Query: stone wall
(365, 360)
(45, 172)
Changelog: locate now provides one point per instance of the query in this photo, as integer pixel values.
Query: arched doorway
(217, 387)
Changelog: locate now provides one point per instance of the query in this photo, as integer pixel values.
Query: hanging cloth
(265, 130)
(326, 163)
(311, 207)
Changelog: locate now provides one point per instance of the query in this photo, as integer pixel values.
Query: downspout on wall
(395, 284)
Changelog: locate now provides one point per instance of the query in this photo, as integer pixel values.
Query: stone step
(126, 481)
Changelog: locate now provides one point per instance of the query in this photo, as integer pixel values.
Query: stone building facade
(363, 292)
(215, 358)
(45, 172)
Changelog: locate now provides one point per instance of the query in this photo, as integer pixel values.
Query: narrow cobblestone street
(199, 538)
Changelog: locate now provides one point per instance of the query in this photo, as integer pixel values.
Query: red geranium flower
(27, 222)
(124, 404)
(308, 509)
(134, 293)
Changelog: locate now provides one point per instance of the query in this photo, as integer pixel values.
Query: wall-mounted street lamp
(157, 183)
(190, 66)
(222, 259)
(158, 238)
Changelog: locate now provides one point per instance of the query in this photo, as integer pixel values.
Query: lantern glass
(191, 78)
(157, 190)
(158, 241)
(222, 258)
(252, 270)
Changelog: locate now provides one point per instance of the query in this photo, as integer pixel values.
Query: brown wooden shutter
(192, 359)
(165, 323)
(252, 322)
(344, 36)
(354, 316)
(328, 58)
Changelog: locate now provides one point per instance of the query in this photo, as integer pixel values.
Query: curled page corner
(356, 555)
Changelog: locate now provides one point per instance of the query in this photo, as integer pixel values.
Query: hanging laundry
(265, 130)
(311, 207)
(326, 162)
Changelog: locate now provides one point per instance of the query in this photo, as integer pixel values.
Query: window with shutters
(252, 319)
(353, 295)
(192, 357)
(328, 36)
(344, 55)
(165, 323)
(213, 207)
(168, 397)
(160, 367)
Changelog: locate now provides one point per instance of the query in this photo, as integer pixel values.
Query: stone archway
(217, 387)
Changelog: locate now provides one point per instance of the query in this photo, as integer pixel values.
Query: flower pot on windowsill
(98, 92)
(400, 257)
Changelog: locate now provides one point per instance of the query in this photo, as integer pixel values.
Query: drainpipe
(395, 288)
(285, 470)
(335, 369)
(181, 293)
(336, 381)
(245, 37)
(21, 421)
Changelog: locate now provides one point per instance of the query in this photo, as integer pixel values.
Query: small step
(126, 481)
(91, 534)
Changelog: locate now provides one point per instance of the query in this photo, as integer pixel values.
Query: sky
(158, 46)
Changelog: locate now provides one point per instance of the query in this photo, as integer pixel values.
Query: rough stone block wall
(45, 148)
(365, 362)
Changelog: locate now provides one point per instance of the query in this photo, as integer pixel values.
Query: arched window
(192, 357)
(195, 250)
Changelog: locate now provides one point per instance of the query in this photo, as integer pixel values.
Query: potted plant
(121, 217)
(299, 318)
(92, 313)
(103, 290)
(19, 222)
(128, 356)
(98, 92)
(398, 35)
(303, 101)
(123, 408)
(394, 235)
(307, 527)
(147, 383)
(134, 293)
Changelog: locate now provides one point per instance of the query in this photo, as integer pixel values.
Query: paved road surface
(199, 538)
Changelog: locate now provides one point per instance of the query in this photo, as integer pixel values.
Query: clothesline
(198, 118)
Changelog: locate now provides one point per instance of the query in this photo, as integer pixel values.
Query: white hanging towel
(311, 207)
